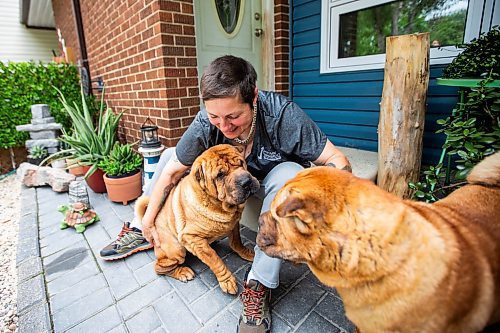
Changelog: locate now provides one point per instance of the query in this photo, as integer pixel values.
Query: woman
(278, 140)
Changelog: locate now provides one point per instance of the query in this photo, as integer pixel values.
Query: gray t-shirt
(284, 132)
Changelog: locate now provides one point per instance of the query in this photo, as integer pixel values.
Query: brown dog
(399, 266)
(206, 205)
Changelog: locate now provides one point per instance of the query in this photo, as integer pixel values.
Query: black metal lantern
(149, 134)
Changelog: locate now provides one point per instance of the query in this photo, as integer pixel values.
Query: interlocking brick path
(65, 287)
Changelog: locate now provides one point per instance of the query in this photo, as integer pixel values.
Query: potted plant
(89, 142)
(122, 173)
(37, 154)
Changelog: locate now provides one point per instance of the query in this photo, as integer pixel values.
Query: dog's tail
(487, 172)
(140, 207)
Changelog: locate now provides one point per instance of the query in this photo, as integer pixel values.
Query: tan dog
(399, 266)
(206, 205)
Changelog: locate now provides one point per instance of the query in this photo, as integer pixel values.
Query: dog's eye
(221, 174)
(301, 226)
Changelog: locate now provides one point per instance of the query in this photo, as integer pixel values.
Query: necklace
(252, 128)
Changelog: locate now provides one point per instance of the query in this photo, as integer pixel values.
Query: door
(229, 27)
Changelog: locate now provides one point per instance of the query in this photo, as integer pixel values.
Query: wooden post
(402, 112)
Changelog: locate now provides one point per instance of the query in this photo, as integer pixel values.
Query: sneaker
(129, 241)
(256, 316)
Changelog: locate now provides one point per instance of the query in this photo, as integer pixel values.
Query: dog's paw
(229, 286)
(247, 254)
(183, 274)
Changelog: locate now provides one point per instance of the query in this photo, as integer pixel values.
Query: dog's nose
(248, 184)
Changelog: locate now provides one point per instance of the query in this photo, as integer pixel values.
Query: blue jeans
(264, 268)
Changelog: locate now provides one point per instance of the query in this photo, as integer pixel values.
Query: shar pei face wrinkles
(205, 206)
(399, 265)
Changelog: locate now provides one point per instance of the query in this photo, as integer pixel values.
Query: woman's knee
(280, 174)
(166, 155)
(283, 172)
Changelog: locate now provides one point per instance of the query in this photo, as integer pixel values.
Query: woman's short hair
(229, 76)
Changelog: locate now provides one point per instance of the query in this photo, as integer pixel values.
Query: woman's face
(231, 116)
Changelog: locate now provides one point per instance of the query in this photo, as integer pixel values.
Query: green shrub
(480, 58)
(26, 83)
(122, 160)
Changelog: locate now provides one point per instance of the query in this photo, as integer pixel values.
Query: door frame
(268, 82)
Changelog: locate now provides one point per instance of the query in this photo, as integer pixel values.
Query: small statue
(77, 215)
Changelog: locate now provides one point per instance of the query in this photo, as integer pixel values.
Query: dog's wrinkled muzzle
(246, 185)
(267, 231)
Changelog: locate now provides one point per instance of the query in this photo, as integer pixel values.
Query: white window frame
(330, 18)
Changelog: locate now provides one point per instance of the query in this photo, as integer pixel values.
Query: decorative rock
(33, 175)
(40, 111)
(43, 130)
(47, 120)
(46, 143)
(43, 135)
(38, 127)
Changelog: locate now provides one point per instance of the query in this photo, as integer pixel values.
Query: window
(353, 32)
(229, 12)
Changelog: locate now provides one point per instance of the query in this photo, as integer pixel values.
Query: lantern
(149, 134)
(150, 148)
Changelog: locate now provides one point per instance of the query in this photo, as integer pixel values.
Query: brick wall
(281, 46)
(65, 21)
(145, 52)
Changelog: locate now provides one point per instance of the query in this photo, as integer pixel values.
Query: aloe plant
(88, 143)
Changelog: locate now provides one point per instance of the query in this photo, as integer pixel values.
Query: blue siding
(346, 105)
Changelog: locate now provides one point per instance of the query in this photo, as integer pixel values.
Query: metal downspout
(81, 43)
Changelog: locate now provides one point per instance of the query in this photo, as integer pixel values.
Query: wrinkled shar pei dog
(205, 206)
(399, 265)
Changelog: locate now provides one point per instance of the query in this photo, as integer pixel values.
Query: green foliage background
(376, 23)
(26, 83)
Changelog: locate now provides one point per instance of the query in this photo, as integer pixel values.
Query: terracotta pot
(96, 181)
(124, 189)
(77, 171)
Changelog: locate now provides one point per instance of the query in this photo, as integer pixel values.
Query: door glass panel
(363, 32)
(228, 12)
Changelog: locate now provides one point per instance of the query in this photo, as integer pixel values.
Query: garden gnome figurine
(77, 215)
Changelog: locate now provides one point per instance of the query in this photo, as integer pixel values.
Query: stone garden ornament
(77, 215)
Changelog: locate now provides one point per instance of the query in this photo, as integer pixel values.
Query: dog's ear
(199, 174)
(240, 149)
(295, 206)
(290, 206)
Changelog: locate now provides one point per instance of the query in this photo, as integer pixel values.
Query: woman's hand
(170, 175)
(149, 231)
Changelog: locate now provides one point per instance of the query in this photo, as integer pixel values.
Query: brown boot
(256, 316)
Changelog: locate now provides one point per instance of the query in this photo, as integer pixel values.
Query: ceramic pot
(96, 180)
(124, 189)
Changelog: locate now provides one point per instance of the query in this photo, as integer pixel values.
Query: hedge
(26, 83)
